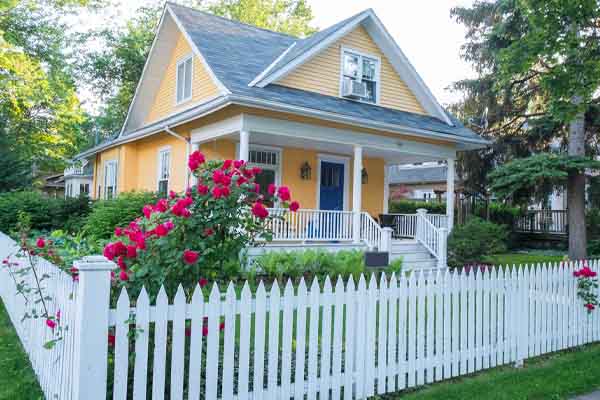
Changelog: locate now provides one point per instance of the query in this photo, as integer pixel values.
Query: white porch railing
(405, 225)
(311, 225)
(433, 238)
(370, 231)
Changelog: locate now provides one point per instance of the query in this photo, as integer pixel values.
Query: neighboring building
(427, 182)
(79, 179)
(53, 185)
(344, 103)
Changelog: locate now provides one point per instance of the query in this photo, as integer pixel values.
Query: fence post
(91, 328)
(386, 240)
(442, 248)
(420, 218)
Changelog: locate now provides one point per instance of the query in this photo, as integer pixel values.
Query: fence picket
(300, 340)
(325, 372)
(259, 341)
(286, 341)
(142, 319)
(229, 342)
(338, 335)
(349, 335)
(212, 343)
(160, 345)
(313, 339)
(195, 363)
(382, 339)
(393, 334)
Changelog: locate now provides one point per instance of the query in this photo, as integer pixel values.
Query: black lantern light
(305, 171)
(364, 176)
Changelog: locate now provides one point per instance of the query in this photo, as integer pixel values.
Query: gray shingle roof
(237, 53)
(416, 175)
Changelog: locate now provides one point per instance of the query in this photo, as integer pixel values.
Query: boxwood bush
(472, 242)
(411, 207)
(45, 213)
(108, 214)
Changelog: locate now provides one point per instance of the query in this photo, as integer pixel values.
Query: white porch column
(244, 145)
(450, 194)
(386, 188)
(357, 193)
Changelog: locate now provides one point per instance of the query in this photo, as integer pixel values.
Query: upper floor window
(164, 168)
(360, 76)
(110, 179)
(184, 79)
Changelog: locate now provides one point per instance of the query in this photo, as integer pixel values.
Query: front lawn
(552, 377)
(17, 380)
(522, 257)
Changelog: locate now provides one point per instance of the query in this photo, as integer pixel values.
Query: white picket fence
(53, 368)
(332, 341)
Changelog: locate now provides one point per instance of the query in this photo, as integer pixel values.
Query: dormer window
(184, 79)
(360, 76)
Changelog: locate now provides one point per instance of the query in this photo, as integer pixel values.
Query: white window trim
(345, 49)
(162, 150)
(276, 168)
(337, 160)
(105, 165)
(183, 60)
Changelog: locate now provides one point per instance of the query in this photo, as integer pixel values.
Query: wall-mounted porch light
(364, 176)
(305, 171)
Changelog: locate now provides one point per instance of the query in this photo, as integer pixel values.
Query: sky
(423, 29)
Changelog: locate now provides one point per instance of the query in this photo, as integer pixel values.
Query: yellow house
(325, 115)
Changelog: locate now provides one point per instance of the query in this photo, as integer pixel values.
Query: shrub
(471, 242)
(45, 213)
(593, 223)
(108, 214)
(294, 264)
(411, 207)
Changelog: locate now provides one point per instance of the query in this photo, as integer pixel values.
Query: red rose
(226, 180)
(123, 276)
(50, 323)
(202, 189)
(205, 330)
(284, 193)
(118, 231)
(294, 206)
(40, 243)
(121, 263)
(209, 232)
(203, 282)
(225, 191)
(190, 257)
(217, 192)
(161, 230)
(172, 194)
(162, 205)
(590, 307)
(271, 189)
(147, 210)
(256, 170)
(195, 159)
(227, 164)
(111, 340)
(238, 163)
(259, 210)
(131, 251)
(217, 176)
(222, 326)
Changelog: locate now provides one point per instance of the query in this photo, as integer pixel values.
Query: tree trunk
(576, 192)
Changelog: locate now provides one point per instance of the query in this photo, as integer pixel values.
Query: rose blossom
(190, 256)
(40, 243)
(259, 210)
(284, 193)
(294, 206)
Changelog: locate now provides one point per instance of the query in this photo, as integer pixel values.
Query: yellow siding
(203, 87)
(147, 162)
(304, 191)
(322, 73)
(221, 149)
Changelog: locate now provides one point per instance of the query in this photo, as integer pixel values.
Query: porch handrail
(370, 231)
(433, 238)
(542, 221)
(405, 225)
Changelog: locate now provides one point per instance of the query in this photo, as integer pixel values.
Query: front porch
(340, 178)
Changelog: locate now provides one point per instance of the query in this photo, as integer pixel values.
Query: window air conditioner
(354, 89)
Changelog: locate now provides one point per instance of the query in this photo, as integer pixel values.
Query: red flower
(121, 263)
(190, 256)
(590, 306)
(118, 231)
(272, 189)
(169, 225)
(147, 210)
(162, 205)
(284, 193)
(238, 163)
(131, 251)
(203, 282)
(123, 276)
(217, 192)
(226, 180)
(217, 176)
(227, 164)
(161, 230)
(294, 206)
(40, 243)
(256, 188)
(241, 180)
(202, 189)
(50, 323)
(209, 232)
(111, 340)
(205, 330)
(256, 170)
(225, 191)
(172, 194)
(188, 332)
(195, 159)
(259, 210)
(222, 326)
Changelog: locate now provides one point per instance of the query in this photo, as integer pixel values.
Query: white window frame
(116, 180)
(361, 54)
(183, 60)
(276, 168)
(161, 151)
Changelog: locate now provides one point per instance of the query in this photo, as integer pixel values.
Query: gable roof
(236, 54)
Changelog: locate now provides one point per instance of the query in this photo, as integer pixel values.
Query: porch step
(414, 255)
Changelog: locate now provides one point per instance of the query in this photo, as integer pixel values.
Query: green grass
(530, 257)
(553, 377)
(17, 380)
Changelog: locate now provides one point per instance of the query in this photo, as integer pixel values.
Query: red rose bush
(200, 233)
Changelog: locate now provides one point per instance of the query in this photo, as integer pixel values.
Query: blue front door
(332, 186)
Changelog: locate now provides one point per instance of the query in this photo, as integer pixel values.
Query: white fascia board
(309, 54)
(344, 138)
(222, 88)
(217, 129)
(144, 70)
(404, 68)
(268, 69)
